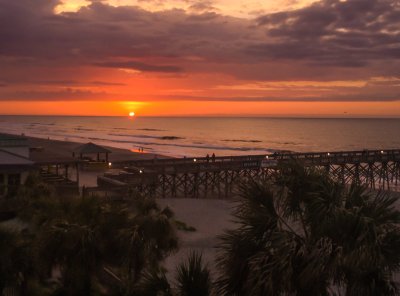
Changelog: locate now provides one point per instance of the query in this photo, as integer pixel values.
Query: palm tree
(145, 240)
(152, 283)
(193, 277)
(8, 271)
(304, 234)
(90, 235)
(88, 246)
(73, 245)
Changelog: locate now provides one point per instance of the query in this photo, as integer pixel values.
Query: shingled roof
(90, 148)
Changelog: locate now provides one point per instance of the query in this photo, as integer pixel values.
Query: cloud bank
(329, 40)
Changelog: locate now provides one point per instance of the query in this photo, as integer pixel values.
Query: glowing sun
(131, 114)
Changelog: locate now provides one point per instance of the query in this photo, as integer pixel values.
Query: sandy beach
(210, 217)
(55, 148)
(49, 150)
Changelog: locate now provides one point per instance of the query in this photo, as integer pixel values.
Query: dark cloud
(62, 83)
(329, 40)
(202, 6)
(67, 94)
(349, 33)
(333, 98)
(133, 65)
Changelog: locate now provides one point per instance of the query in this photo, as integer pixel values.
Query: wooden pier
(218, 177)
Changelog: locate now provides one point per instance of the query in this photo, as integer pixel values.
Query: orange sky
(219, 57)
(187, 108)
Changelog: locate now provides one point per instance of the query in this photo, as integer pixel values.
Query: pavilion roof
(90, 148)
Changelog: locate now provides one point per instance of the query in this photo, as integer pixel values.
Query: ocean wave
(241, 141)
(151, 129)
(170, 138)
(148, 136)
(120, 128)
(195, 145)
(205, 147)
(286, 143)
(85, 129)
(38, 123)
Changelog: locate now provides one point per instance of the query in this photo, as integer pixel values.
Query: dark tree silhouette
(304, 234)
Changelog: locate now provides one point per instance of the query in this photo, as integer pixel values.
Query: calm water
(222, 136)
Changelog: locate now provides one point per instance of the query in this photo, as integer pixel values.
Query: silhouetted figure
(208, 158)
(213, 157)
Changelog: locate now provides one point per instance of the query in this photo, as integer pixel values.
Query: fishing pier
(219, 176)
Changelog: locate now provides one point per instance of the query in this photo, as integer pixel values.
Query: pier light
(267, 157)
(109, 164)
(194, 159)
(382, 151)
(141, 172)
(329, 154)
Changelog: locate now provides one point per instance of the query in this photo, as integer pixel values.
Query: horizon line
(283, 116)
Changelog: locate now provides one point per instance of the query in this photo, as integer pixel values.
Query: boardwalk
(217, 177)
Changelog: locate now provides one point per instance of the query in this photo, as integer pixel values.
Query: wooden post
(206, 184)
(342, 178)
(185, 185)
(173, 191)
(357, 174)
(77, 173)
(163, 185)
(371, 168)
(226, 184)
(219, 183)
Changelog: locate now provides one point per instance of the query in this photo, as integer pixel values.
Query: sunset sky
(206, 57)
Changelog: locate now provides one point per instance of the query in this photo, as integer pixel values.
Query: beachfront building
(92, 153)
(14, 163)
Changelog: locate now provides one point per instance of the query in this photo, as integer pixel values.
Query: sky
(205, 57)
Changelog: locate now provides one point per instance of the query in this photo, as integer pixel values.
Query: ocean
(198, 136)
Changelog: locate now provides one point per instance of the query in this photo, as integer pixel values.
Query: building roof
(11, 159)
(51, 157)
(91, 148)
